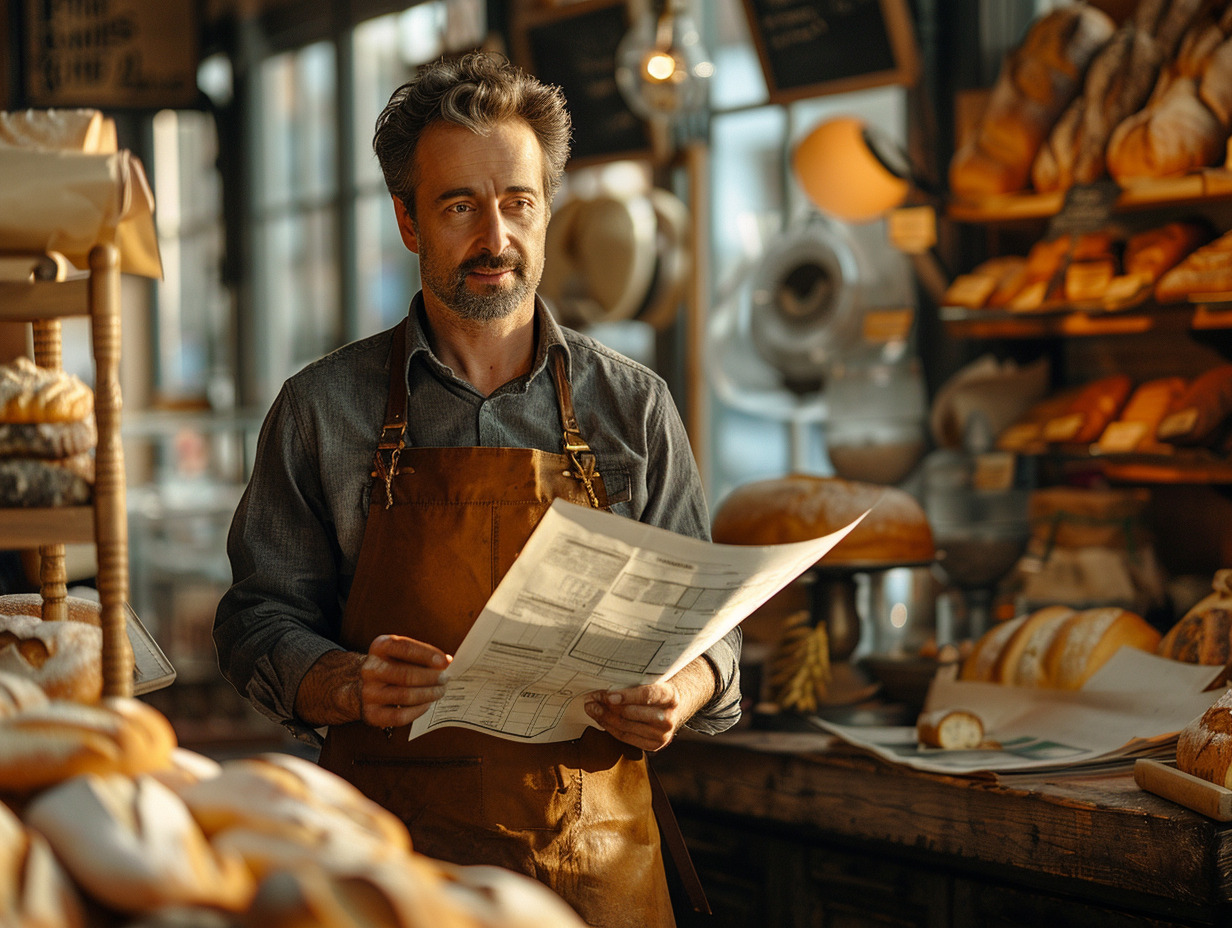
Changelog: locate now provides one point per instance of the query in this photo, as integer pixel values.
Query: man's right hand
(390, 686)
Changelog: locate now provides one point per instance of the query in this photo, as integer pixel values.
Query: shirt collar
(549, 338)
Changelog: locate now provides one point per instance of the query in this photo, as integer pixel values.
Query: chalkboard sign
(574, 47)
(813, 47)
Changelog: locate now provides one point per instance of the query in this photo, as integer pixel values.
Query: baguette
(1089, 412)
(1134, 429)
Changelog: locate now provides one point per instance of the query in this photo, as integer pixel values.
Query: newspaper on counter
(597, 601)
(1135, 705)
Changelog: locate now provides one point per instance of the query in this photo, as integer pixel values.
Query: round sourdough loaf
(799, 507)
(1204, 746)
(133, 845)
(1204, 634)
(1056, 647)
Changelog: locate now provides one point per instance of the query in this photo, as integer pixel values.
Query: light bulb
(661, 67)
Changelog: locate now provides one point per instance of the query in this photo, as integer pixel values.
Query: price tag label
(994, 470)
(1121, 437)
(888, 325)
(970, 290)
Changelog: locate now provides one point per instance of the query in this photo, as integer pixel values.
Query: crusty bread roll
(1206, 270)
(1086, 641)
(1203, 635)
(1204, 746)
(1153, 252)
(498, 898)
(1074, 645)
(64, 658)
(798, 507)
(1038, 79)
(950, 729)
(44, 745)
(290, 797)
(184, 768)
(1202, 408)
(29, 393)
(35, 892)
(133, 845)
(974, 289)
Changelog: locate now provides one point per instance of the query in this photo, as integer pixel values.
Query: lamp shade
(842, 174)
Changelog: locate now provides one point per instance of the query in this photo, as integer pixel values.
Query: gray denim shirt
(296, 535)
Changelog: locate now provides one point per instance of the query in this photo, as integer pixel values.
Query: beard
(490, 301)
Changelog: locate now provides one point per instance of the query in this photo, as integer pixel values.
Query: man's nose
(494, 233)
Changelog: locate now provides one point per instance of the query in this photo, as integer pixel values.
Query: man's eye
(458, 208)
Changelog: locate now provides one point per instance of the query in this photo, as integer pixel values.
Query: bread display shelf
(1203, 312)
(1184, 466)
(1161, 193)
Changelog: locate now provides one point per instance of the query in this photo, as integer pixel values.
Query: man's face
(481, 216)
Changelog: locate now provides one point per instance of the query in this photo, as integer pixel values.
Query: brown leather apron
(444, 525)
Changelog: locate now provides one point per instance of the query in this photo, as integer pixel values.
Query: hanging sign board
(574, 47)
(111, 53)
(813, 47)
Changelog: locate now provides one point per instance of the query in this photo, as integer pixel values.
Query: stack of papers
(1134, 706)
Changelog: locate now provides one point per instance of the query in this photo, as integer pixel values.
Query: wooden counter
(802, 830)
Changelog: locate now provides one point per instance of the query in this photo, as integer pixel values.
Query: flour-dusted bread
(1055, 647)
(1089, 638)
(132, 844)
(44, 745)
(64, 658)
(798, 507)
(18, 692)
(35, 892)
(1204, 746)
(1207, 269)
(1204, 634)
(29, 393)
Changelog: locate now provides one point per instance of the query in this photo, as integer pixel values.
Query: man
(397, 478)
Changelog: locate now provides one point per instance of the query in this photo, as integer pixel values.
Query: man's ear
(406, 227)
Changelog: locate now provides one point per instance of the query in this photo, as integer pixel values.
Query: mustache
(509, 260)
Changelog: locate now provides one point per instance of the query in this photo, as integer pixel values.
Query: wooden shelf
(28, 528)
(25, 302)
(1198, 187)
(1072, 321)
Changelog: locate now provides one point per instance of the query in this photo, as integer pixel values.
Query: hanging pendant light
(661, 67)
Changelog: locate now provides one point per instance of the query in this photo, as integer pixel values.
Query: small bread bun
(1204, 746)
(132, 845)
(35, 892)
(950, 729)
(799, 507)
(287, 796)
(45, 745)
(64, 658)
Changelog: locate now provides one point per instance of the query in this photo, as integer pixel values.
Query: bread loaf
(950, 729)
(64, 658)
(18, 692)
(286, 796)
(29, 393)
(1204, 746)
(1206, 270)
(1055, 647)
(1204, 634)
(132, 845)
(35, 892)
(799, 507)
(1038, 79)
(45, 745)
(1134, 429)
(1153, 252)
(974, 289)
(1199, 412)
(1089, 411)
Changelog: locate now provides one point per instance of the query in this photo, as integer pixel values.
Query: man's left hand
(649, 716)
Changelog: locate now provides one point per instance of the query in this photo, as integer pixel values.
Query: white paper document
(1133, 706)
(597, 601)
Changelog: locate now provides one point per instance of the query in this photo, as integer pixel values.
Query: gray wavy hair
(475, 91)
